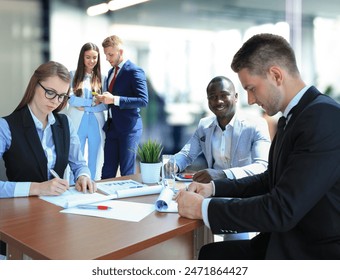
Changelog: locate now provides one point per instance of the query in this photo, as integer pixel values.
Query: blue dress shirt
(77, 162)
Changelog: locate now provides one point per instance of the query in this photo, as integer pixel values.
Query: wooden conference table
(36, 229)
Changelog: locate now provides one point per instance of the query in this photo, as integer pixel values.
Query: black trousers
(253, 249)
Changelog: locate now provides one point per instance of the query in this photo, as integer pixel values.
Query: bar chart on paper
(127, 188)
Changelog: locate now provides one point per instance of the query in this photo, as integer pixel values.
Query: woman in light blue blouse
(88, 115)
(35, 139)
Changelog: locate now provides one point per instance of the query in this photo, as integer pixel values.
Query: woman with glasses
(85, 112)
(37, 143)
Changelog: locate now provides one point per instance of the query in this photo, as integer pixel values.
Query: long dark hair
(96, 82)
(44, 71)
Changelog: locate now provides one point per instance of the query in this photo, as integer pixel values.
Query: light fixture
(112, 6)
(120, 4)
(97, 9)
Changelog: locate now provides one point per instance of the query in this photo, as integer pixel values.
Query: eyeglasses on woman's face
(51, 94)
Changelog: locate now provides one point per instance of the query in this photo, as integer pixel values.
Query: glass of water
(168, 171)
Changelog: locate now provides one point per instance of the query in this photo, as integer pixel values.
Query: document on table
(129, 211)
(127, 188)
(72, 198)
(165, 202)
(121, 210)
(112, 189)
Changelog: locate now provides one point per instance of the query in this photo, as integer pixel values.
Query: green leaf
(150, 151)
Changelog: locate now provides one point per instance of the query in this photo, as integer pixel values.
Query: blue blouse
(77, 162)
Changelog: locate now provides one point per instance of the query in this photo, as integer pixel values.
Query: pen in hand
(96, 207)
(62, 185)
(55, 174)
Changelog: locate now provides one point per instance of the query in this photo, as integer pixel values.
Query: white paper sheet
(121, 210)
(72, 198)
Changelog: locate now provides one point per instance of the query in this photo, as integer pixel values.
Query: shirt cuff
(116, 100)
(22, 189)
(205, 205)
(229, 174)
(83, 174)
(213, 188)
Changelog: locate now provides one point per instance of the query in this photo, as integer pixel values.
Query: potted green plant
(149, 154)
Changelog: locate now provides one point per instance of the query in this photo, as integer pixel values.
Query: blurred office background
(181, 45)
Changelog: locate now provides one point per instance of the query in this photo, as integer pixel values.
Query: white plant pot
(150, 172)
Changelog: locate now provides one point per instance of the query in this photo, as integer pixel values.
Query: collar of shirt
(231, 123)
(38, 124)
(295, 100)
(120, 65)
(88, 75)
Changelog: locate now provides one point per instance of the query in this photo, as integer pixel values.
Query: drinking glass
(168, 171)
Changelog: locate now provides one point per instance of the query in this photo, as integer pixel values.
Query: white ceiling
(212, 14)
(310, 7)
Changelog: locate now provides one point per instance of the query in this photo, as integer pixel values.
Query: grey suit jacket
(249, 146)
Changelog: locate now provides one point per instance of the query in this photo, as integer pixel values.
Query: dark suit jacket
(25, 160)
(131, 86)
(297, 200)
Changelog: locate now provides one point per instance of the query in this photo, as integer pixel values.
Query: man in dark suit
(128, 92)
(295, 204)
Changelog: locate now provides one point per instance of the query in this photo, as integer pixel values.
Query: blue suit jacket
(250, 145)
(131, 86)
(296, 201)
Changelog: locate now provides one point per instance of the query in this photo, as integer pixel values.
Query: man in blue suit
(295, 202)
(128, 92)
(233, 145)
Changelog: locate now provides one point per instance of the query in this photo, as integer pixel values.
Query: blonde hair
(112, 41)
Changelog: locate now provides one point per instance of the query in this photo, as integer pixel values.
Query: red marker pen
(95, 207)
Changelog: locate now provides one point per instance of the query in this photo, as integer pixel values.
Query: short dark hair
(220, 79)
(261, 52)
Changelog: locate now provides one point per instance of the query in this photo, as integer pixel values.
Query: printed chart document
(121, 210)
(72, 198)
(127, 188)
(165, 202)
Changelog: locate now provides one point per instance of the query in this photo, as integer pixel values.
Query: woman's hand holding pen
(56, 186)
